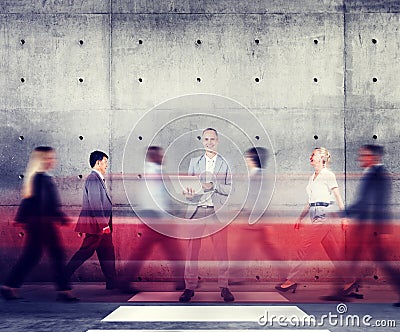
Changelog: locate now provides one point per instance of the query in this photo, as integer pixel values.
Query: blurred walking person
(154, 202)
(39, 212)
(250, 222)
(256, 202)
(371, 227)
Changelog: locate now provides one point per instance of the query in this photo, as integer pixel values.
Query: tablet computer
(181, 182)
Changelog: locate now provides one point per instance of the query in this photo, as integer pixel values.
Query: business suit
(222, 184)
(42, 233)
(219, 195)
(372, 217)
(96, 214)
(373, 197)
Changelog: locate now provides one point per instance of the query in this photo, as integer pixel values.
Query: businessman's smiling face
(210, 141)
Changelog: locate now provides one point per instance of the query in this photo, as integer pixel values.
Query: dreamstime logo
(340, 319)
(341, 308)
(176, 126)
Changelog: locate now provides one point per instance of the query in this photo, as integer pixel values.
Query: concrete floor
(38, 310)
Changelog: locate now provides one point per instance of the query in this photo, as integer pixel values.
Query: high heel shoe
(354, 286)
(285, 289)
(66, 297)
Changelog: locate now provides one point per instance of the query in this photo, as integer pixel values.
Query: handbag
(25, 210)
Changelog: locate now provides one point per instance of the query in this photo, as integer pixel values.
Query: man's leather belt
(319, 204)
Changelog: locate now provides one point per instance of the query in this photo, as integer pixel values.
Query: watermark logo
(341, 308)
(340, 318)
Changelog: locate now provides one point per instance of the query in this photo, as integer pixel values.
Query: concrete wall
(85, 75)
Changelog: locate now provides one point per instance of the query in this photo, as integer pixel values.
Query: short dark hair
(376, 150)
(209, 128)
(96, 155)
(43, 149)
(153, 153)
(258, 155)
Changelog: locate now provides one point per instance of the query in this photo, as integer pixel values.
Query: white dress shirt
(319, 189)
(210, 165)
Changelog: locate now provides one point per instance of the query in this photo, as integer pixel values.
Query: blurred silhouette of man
(154, 202)
(371, 220)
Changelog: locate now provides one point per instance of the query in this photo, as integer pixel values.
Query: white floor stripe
(193, 313)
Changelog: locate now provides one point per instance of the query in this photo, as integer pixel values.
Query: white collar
(255, 170)
(101, 175)
(323, 170)
(213, 159)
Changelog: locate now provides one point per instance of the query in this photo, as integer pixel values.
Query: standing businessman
(95, 220)
(216, 182)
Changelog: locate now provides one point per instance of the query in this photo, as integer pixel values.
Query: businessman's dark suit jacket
(96, 207)
(95, 215)
(372, 214)
(373, 198)
(370, 217)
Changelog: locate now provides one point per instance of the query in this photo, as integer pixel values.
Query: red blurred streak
(272, 239)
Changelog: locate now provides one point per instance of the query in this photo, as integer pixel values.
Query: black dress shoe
(67, 298)
(227, 295)
(111, 285)
(8, 294)
(355, 295)
(186, 295)
(129, 290)
(126, 288)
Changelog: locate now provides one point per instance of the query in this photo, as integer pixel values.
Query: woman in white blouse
(322, 184)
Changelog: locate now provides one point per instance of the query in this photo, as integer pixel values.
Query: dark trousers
(372, 242)
(38, 237)
(101, 244)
